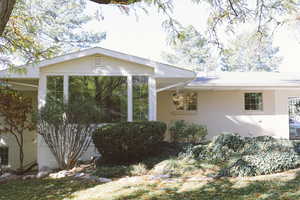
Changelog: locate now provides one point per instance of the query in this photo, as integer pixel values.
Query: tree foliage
(40, 29)
(248, 53)
(16, 110)
(244, 52)
(191, 50)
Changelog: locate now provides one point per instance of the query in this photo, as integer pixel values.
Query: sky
(142, 34)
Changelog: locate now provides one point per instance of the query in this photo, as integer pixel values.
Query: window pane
(253, 101)
(55, 88)
(140, 97)
(191, 101)
(107, 93)
(3, 155)
(178, 101)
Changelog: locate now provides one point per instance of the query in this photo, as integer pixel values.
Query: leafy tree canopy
(246, 51)
(39, 29)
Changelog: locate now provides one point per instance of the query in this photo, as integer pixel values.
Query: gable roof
(33, 69)
(235, 80)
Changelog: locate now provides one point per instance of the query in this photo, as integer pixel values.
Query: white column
(129, 99)
(42, 91)
(152, 98)
(44, 155)
(66, 88)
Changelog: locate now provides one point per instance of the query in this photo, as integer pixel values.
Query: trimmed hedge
(128, 141)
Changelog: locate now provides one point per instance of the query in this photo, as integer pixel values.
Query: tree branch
(123, 2)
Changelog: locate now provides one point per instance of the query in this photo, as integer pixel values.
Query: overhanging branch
(123, 2)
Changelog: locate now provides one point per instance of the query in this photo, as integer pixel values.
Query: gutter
(181, 84)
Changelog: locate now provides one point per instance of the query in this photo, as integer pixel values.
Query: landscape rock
(79, 175)
(133, 179)
(42, 174)
(8, 176)
(60, 174)
(5, 175)
(104, 180)
(158, 177)
(26, 177)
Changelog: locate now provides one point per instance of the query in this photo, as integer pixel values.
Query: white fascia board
(161, 70)
(241, 88)
(101, 51)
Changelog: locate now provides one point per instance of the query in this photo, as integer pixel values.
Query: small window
(253, 101)
(3, 156)
(186, 101)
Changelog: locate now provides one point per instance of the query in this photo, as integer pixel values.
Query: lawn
(278, 186)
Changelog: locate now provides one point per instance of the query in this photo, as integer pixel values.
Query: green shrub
(174, 167)
(128, 141)
(249, 156)
(182, 131)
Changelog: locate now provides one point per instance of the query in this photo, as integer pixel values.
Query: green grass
(46, 189)
(272, 187)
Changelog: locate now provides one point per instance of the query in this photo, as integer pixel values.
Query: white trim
(152, 98)
(42, 91)
(129, 99)
(22, 84)
(105, 52)
(218, 88)
(172, 86)
(92, 74)
(66, 88)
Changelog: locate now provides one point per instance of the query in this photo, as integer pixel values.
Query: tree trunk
(21, 155)
(124, 2)
(6, 7)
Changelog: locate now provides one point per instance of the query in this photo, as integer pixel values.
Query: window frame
(66, 91)
(262, 102)
(185, 111)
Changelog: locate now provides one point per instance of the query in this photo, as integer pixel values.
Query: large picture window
(3, 156)
(140, 98)
(253, 101)
(107, 93)
(55, 88)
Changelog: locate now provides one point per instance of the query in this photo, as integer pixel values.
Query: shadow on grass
(224, 189)
(42, 189)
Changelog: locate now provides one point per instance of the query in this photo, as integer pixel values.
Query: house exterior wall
(30, 143)
(223, 111)
(86, 66)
